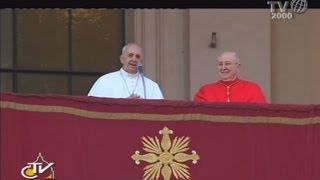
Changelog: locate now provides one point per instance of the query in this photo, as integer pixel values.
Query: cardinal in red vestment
(230, 88)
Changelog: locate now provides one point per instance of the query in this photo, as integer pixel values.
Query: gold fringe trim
(158, 117)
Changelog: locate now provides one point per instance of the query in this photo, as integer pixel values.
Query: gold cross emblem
(166, 158)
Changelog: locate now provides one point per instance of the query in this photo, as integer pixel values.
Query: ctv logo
(279, 9)
(38, 168)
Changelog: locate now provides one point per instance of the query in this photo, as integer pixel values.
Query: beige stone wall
(296, 59)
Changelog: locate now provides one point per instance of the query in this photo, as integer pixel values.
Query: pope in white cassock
(127, 82)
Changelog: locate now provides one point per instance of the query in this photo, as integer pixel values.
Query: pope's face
(228, 67)
(130, 58)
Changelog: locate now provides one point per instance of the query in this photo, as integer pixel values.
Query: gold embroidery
(166, 157)
(162, 117)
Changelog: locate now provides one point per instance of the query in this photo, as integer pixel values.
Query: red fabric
(85, 148)
(240, 91)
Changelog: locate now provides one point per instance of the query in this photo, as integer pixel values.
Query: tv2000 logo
(297, 6)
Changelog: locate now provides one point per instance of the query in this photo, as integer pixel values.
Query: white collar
(126, 74)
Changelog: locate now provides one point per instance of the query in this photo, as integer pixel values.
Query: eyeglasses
(226, 64)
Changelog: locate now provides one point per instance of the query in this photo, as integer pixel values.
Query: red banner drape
(91, 138)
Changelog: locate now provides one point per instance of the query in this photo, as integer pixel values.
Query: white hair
(234, 54)
(124, 49)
